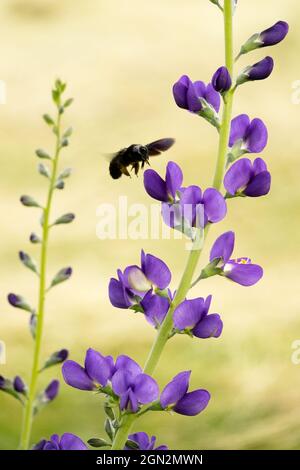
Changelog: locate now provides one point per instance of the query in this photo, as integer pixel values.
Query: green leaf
(48, 119)
(68, 102)
(132, 445)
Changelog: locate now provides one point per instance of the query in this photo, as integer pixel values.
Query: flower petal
(97, 367)
(155, 308)
(193, 403)
(125, 362)
(239, 126)
(256, 137)
(155, 186)
(214, 205)
(188, 313)
(213, 97)
(210, 326)
(175, 389)
(145, 389)
(223, 247)
(75, 376)
(117, 294)
(174, 178)
(259, 165)
(180, 91)
(238, 176)
(121, 382)
(193, 94)
(141, 439)
(136, 279)
(157, 271)
(243, 274)
(260, 185)
(71, 442)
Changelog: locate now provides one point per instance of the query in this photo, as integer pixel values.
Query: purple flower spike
(175, 396)
(245, 178)
(67, 441)
(248, 136)
(51, 391)
(221, 80)
(187, 95)
(274, 34)
(240, 270)
(258, 71)
(192, 316)
(144, 442)
(164, 190)
(97, 371)
(19, 385)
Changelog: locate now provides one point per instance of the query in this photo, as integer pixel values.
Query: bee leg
(136, 167)
(125, 171)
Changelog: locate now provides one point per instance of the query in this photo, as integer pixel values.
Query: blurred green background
(120, 59)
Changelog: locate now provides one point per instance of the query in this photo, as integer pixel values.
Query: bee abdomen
(115, 171)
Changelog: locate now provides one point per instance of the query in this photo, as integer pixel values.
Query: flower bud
(34, 238)
(65, 173)
(62, 275)
(40, 153)
(43, 170)
(19, 302)
(221, 80)
(65, 219)
(56, 358)
(19, 385)
(52, 390)
(28, 262)
(48, 119)
(33, 325)
(268, 37)
(28, 201)
(7, 386)
(60, 184)
(258, 71)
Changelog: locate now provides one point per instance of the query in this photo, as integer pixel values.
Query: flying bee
(136, 156)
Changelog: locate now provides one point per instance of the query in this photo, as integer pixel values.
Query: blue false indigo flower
(19, 302)
(221, 80)
(28, 201)
(132, 386)
(258, 71)
(143, 442)
(34, 238)
(51, 391)
(268, 37)
(67, 441)
(164, 190)
(239, 270)
(155, 308)
(175, 396)
(246, 136)
(65, 219)
(191, 316)
(19, 385)
(137, 281)
(62, 275)
(245, 178)
(97, 371)
(56, 358)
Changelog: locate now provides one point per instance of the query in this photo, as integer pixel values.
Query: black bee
(136, 156)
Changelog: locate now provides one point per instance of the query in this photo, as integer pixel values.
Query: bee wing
(110, 155)
(159, 146)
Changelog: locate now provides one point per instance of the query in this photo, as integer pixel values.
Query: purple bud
(27, 261)
(52, 390)
(34, 238)
(258, 71)
(274, 34)
(56, 358)
(221, 80)
(19, 385)
(2, 382)
(18, 302)
(65, 219)
(62, 275)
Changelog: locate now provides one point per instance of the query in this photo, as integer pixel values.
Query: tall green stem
(192, 262)
(28, 411)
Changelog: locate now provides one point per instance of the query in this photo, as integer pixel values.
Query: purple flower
(132, 386)
(52, 390)
(96, 372)
(247, 136)
(137, 281)
(188, 95)
(258, 71)
(274, 34)
(221, 80)
(19, 385)
(67, 441)
(239, 270)
(192, 315)
(144, 442)
(164, 190)
(155, 308)
(245, 178)
(175, 396)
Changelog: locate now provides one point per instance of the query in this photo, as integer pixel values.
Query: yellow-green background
(120, 59)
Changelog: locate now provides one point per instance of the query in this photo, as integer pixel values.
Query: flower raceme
(181, 206)
(245, 178)
(175, 396)
(125, 379)
(191, 316)
(239, 270)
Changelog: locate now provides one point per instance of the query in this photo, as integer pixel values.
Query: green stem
(28, 411)
(187, 277)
